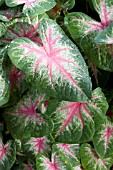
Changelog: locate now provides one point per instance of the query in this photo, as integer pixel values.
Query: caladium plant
(56, 93)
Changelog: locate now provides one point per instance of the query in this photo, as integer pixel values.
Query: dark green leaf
(2, 29)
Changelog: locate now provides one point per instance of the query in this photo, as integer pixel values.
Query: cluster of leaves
(56, 100)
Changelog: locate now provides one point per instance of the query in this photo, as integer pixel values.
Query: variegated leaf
(98, 106)
(44, 163)
(25, 27)
(105, 10)
(9, 14)
(4, 84)
(83, 30)
(73, 123)
(7, 155)
(57, 67)
(34, 146)
(25, 119)
(103, 139)
(73, 119)
(67, 153)
(91, 161)
(106, 37)
(32, 6)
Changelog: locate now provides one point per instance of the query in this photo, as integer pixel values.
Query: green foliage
(56, 90)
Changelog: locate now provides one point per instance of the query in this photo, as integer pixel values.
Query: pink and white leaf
(32, 6)
(24, 115)
(57, 60)
(103, 139)
(91, 160)
(37, 145)
(7, 154)
(69, 120)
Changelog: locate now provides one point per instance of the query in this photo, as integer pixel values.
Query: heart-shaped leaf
(26, 114)
(32, 6)
(57, 67)
(83, 30)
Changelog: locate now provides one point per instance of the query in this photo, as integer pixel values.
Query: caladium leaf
(32, 6)
(57, 67)
(83, 30)
(71, 120)
(67, 153)
(2, 29)
(44, 163)
(91, 161)
(34, 146)
(103, 139)
(24, 27)
(106, 36)
(4, 84)
(7, 155)
(25, 118)
(74, 119)
(105, 10)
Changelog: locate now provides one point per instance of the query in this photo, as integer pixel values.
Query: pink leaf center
(73, 109)
(2, 151)
(39, 144)
(29, 111)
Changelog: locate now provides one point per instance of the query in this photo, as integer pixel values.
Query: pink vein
(74, 110)
(50, 55)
